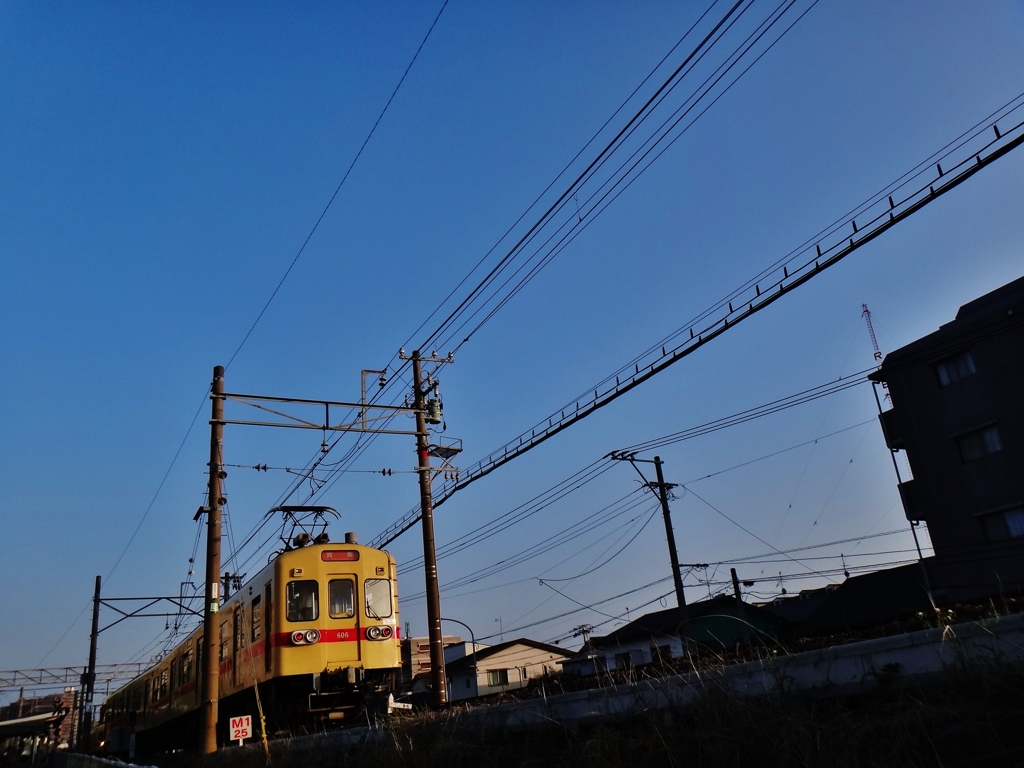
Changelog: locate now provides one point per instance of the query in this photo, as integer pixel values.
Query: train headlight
(373, 633)
(309, 637)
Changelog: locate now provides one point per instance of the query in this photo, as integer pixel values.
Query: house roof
(494, 650)
(869, 599)
(669, 621)
(798, 607)
(30, 726)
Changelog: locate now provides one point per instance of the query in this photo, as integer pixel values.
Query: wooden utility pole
(211, 660)
(439, 682)
(89, 678)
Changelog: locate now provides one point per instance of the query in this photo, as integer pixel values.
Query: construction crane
(866, 314)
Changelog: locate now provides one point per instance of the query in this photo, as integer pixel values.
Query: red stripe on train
(284, 639)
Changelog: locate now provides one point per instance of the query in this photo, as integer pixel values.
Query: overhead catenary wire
(567, 193)
(551, 184)
(695, 55)
(622, 180)
(699, 51)
(581, 478)
(596, 469)
(982, 153)
(566, 536)
(427, 342)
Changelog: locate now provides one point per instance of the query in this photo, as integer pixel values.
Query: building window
(497, 677)
(1000, 526)
(979, 443)
(623, 660)
(661, 654)
(954, 368)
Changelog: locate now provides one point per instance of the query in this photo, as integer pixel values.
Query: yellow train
(315, 635)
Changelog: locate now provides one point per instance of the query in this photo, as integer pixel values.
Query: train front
(337, 624)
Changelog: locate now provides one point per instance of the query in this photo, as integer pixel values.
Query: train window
(239, 632)
(257, 618)
(303, 598)
(341, 598)
(268, 608)
(224, 639)
(378, 598)
(185, 670)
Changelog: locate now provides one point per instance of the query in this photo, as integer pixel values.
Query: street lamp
(472, 639)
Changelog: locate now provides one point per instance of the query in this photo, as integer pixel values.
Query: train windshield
(303, 598)
(378, 598)
(341, 597)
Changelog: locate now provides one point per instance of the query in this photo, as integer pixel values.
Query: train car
(314, 635)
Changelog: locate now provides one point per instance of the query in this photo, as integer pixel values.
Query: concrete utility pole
(211, 660)
(662, 488)
(677, 577)
(439, 682)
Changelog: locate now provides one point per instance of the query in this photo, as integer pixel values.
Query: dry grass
(973, 719)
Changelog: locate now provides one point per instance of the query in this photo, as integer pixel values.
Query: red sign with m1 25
(241, 728)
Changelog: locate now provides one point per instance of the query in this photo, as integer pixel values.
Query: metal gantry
(65, 677)
(369, 418)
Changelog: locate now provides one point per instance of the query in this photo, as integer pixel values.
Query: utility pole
(211, 661)
(739, 604)
(736, 586)
(677, 577)
(89, 679)
(370, 419)
(439, 682)
(663, 488)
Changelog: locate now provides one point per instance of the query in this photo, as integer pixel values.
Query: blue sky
(162, 166)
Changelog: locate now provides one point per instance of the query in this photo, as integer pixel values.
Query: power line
(747, 530)
(589, 473)
(273, 294)
(974, 153)
(341, 183)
